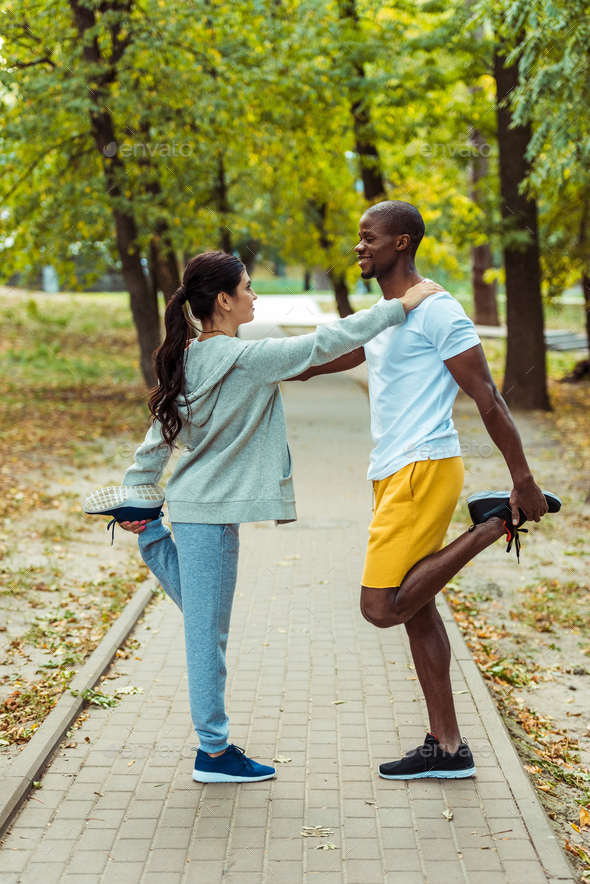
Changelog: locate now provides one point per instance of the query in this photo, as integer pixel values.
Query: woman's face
(243, 300)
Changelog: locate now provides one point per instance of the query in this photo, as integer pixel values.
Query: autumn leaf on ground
(584, 817)
(282, 759)
(316, 832)
(130, 689)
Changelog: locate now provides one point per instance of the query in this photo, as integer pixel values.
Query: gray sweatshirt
(236, 465)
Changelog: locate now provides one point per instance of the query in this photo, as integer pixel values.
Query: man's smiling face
(378, 250)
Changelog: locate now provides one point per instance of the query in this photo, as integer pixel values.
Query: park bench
(555, 339)
(278, 316)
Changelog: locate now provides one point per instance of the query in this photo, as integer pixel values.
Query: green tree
(554, 96)
(525, 378)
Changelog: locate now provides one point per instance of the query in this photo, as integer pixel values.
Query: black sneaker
(486, 504)
(429, 760)
(125, 503)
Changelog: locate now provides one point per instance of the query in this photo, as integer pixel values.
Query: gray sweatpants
(198, 570)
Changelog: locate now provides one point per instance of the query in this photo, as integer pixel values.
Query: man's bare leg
(413, 603)
(394, 605)
(431, 651)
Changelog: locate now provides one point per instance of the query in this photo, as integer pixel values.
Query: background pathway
(310, 683)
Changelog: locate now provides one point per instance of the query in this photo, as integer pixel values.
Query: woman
(220, 398)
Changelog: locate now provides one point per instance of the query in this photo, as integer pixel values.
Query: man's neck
(397, 282)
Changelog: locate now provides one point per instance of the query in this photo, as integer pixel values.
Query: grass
(70, 380)
(551, 606)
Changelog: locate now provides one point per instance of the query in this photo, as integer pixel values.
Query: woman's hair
(205, 277)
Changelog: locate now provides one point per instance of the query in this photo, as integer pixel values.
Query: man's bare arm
(343, 363)
(470, 370)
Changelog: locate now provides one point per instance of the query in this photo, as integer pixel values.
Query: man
(415, 371)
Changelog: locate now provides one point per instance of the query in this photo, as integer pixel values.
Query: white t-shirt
(410, 388)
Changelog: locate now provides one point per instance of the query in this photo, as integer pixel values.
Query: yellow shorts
(413, 510)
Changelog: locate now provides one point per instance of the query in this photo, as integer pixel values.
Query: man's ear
(403, 242)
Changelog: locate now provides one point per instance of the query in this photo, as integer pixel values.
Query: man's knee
(378, 606)
(425, 621)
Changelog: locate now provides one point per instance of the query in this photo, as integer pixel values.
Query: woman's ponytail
(169, 368)
(205, 277)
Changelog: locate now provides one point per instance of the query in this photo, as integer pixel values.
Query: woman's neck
(214, 327)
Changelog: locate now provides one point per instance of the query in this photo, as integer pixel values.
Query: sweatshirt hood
(206, 365)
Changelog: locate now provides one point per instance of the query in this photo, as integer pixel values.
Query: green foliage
(233, 125)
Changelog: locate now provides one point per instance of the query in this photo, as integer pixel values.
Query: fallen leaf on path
(316, 831)
(119, 692)
(282, 759)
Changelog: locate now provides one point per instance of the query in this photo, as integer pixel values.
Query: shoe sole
(203, 777)
(496, 498)
(439, 775)
(106, 500)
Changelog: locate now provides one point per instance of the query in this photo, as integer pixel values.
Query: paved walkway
(310, 683)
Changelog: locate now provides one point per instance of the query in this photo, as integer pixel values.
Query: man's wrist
(522, 478)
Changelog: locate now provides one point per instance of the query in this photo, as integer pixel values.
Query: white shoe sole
(439, 775)
(201, 776)
(505, 496)
(142, 497)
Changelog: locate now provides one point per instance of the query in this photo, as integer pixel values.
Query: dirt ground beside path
(528, 625)
(62, 584)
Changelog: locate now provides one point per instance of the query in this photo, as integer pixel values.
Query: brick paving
(310, 682)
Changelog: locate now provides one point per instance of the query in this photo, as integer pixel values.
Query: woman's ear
(223, 302)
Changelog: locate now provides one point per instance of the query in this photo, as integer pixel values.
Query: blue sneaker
(125, 503)
(232, 767)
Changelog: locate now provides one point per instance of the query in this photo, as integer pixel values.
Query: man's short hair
(398, 217)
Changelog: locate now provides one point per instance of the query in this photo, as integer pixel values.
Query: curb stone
(15, 787)
(551, 855)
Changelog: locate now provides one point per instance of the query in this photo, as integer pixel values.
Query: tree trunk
(337, 278)
(162, 258)
(163, 262)
(222, 202)
(586, 293)
(484, 293)
(340, 287)
(370, 161)
(143, 300)
(364, 133)
(525, 380)
(248, 253)
(144, 305)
